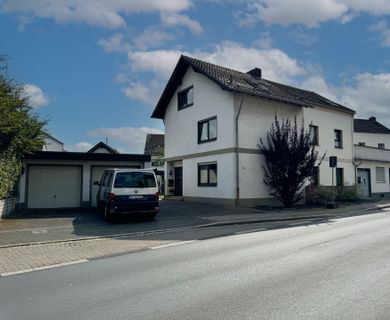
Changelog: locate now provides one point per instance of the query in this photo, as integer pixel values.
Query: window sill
(207, 185)
(205, 141)
(184, 107)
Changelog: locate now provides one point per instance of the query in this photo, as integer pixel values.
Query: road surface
(335, 270)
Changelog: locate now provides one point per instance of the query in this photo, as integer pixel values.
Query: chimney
(255, 73)
(372, 118)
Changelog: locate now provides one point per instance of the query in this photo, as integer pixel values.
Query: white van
(126, 191)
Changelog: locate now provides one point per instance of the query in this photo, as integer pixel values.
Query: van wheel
(107, 214)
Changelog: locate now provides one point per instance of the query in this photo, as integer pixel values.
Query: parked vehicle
(127, 191)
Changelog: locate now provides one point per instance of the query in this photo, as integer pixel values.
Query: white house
(214, 118)
(52, 144)
(372, 153)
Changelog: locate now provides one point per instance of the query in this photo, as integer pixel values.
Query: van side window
(108, 182)
(103, 179)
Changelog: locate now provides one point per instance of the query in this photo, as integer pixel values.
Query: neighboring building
(101, 147)
(372, 157)
(52, 144)
(214, 118)
(154, 146)
(57, 179)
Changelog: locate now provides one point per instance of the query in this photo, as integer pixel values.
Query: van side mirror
(96, 183)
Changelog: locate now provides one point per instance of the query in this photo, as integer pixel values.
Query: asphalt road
(337, 270)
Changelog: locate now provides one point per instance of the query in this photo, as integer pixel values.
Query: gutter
(237, 152)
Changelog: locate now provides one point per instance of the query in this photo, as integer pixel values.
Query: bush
(10, 168)
(324, 194)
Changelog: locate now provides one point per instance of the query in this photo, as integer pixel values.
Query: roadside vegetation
(289, 160)
(21, 131)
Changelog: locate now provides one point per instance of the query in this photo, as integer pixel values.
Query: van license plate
(136, 197)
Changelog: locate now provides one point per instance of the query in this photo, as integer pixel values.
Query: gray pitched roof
(154, 144)
(249, 83)
(370, 126)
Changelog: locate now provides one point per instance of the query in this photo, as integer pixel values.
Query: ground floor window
(339, 176)
(207, 174)
(380, 174)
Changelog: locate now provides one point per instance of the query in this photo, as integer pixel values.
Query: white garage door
(96, 174)
(54, 187)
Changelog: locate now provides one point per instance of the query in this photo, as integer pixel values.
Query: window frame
(384, 175)
(361, 144)
(182, 92)
(336, 141)
(208, 165)
(316, 137)
(381, 145)
(200, 125)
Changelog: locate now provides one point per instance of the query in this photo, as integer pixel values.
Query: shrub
(10, 168)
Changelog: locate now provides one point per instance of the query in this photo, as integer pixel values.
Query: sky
(96, 68)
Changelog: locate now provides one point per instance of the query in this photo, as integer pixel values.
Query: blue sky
(96, 68)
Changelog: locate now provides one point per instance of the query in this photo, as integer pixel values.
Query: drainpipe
(237, 152)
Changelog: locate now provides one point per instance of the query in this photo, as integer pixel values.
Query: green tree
(290, 158)
(21, 131)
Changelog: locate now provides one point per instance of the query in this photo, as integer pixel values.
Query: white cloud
(151, 38)
(311, 13)
(384, 32)
(114, 44)
(103, 13)
(175, 19)
(132, 138)
(148, 94)
(36, 97)
(276, 64)
(265, 41)
(79, 147)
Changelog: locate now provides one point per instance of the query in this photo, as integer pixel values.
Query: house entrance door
(178, 181)
(363, 182)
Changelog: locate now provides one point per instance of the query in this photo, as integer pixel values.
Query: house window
(185, 98)
(381, 145)
(362, 144)
(380, 174)
(313, 134)
(314, 178)
(207, 174)
(338, 138)
(339, 176)
(207, 130)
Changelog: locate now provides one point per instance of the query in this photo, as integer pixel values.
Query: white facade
(52, 144)
(209, 100)
(374, 160)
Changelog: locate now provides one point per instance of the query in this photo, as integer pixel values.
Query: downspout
(237, 153)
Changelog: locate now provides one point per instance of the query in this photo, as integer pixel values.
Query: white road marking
(172, 244)
(38, 231)
(13, 273)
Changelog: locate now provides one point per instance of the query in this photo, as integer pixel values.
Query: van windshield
(134, 180)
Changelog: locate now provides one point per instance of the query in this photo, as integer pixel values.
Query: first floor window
(313, 133)
(380, 175)
(338, 138)
(207, 130)
(339, 176)
(207, 174)
(381, 145)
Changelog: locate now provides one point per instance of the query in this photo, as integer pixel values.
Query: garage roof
(54, 155)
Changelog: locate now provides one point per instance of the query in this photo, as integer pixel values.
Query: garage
(96, 174)
(54, 186)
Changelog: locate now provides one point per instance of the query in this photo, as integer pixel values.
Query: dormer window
(185, 98)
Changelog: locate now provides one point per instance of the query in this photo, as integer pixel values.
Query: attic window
(185, 98)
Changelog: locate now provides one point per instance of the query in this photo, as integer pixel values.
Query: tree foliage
(289, 160)
(21, 131)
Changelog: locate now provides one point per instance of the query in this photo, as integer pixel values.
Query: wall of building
(377, 188)
(181, 127)
(372, 139)
(52, 145)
